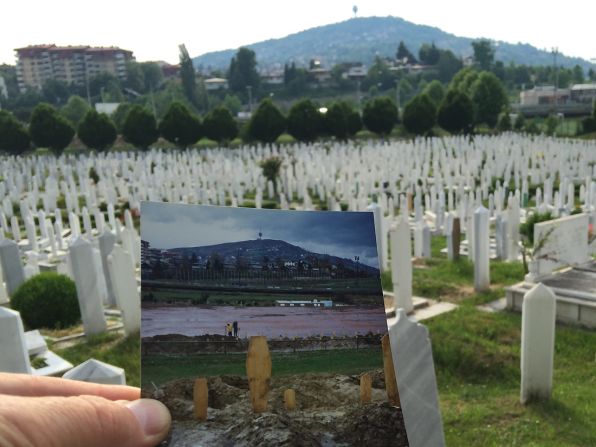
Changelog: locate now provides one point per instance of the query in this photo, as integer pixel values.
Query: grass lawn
(109, 347)
(477, 358)
(160, 368)
(477, 361)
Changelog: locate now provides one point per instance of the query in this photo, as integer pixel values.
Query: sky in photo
(343, 234)
(154, 29)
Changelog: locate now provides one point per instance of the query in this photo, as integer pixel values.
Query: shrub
(47, 300)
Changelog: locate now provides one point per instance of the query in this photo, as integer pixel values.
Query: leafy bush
(47, 300)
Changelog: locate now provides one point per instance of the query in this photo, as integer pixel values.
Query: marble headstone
(416, 382)
(537, 343)
(82, 263)
(14, 356)
(97, 372)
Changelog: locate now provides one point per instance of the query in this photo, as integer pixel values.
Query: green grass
(477, 358)
(160, 368)
(109, 347)
(441, 279)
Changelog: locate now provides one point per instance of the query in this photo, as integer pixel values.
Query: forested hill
(361, 39)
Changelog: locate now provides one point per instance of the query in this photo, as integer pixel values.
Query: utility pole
(556, 69)
(249, 88)
(87, 81)
(397, 95)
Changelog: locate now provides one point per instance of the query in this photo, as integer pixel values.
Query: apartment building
(72, 64)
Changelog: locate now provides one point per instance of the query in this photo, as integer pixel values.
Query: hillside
(255, 250)
(360, 39)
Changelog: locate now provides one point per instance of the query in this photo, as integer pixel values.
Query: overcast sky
(343, 234)
(154, 29)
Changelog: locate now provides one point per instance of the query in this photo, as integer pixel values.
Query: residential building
(212, 84)
(583, 93)
(71, 64)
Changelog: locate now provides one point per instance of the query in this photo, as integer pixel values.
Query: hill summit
(361, 39)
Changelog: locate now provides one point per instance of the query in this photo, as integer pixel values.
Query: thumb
(87, 421)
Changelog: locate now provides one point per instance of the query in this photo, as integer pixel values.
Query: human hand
(52, 412)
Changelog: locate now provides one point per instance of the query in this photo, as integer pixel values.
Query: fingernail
(153, 416)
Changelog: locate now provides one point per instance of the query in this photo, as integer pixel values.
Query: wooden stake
(365, 388)
(290, 399)
(390, 380)
(201, 398)
(258, 371)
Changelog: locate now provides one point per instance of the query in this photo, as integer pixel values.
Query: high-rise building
(72, 64)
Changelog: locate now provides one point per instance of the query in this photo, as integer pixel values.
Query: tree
(403, 54)
(243, 71)
(271, 167)
(103, 82)
(520, 122)
(504, 123)
(187, 76)
(342, 121)
(448, 65)
(484, 54)
(14, 138)
(139, 128)
(489, 98)
(97, 131)
(152, 75)
(135, 78)
(267, 123)
(180, 126)
(75, 109)
(420, 114)
(120, 114)
(55, 92)
(429, 54)
(435, 91)
(305, 122)
(219, 125)
(49, 129)
(456, 112)
(380, 115)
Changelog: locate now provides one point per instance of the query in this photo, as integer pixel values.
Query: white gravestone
(481, 250)
(88, 292)
(12, 268)
(125, 289)
(97, 372)
(560, 243)
(378, 216)
(416, 382)
(401, 264)
(14, 356)
(537, 343)
(106, 243)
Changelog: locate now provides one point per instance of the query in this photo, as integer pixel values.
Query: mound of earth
(328, 414)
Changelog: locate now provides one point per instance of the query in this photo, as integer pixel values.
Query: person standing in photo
(235, 327)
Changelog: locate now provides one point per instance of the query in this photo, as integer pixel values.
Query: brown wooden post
(201, 398)
(390, 380)
(456, 237)
(410, 202)
(365, 388)
(290, 399)
(258, 371)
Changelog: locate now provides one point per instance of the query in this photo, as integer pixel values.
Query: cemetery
(506, 312)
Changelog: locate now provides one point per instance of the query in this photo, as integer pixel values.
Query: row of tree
(47, 128)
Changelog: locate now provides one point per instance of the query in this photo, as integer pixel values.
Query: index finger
(32, 386)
